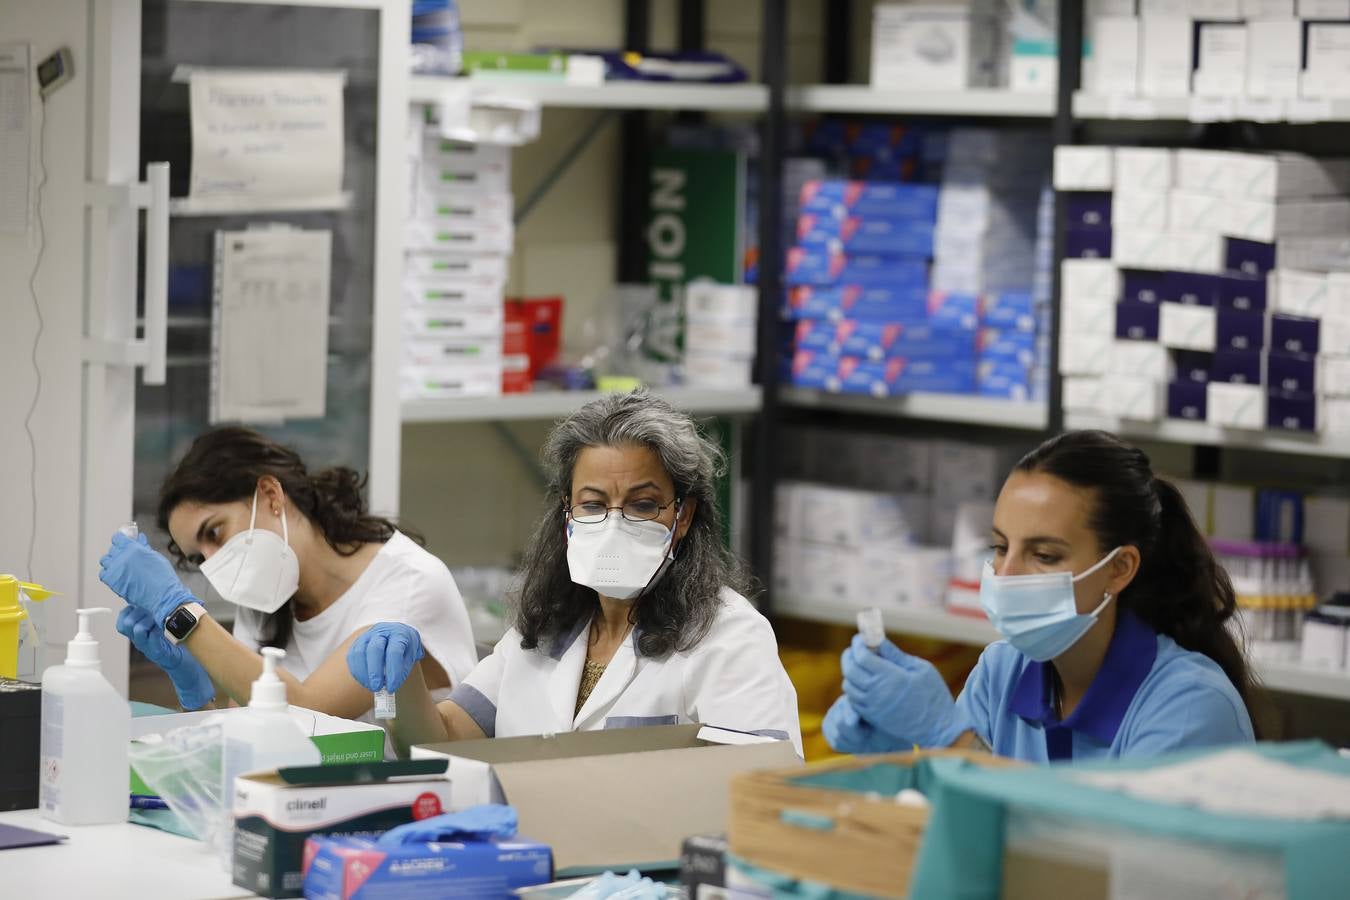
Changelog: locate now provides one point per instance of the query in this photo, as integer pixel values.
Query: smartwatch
(182, 621)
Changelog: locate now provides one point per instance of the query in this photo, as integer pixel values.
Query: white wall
(55, 472)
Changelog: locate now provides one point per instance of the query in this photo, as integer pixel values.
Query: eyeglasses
(593, 512)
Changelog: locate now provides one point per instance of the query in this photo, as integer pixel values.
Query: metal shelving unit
(975, 102)
(976, 631)
(549, 405)
(636, 95)
(1178, 431)
(960, 408)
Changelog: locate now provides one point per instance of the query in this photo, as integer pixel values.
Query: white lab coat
(732, 678)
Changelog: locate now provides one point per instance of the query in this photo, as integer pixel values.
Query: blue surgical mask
(1037, 614)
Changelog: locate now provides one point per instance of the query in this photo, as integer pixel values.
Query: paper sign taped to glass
(269, 359)
(266, 140)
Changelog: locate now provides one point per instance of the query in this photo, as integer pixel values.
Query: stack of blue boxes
(861, 294)
(1204, 285)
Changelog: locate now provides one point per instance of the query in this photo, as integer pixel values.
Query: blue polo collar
(1129, 659)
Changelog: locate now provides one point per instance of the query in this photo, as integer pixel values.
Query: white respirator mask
(617, 558)
(257, 568)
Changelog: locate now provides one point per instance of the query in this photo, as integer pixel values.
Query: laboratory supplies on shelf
(1206, 285)
(1274, 587)
(86, 729)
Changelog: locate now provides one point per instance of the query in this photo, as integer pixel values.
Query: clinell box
(1143, 169)
(1239, 330)
(1087, 209)
(1144, 286)
(855, 301)
(1187, 400)
(860, 198)
(1192, 288)
(1089, 279)
(1241, 292)
(1088, 316)
(1238, 367)
(1135, 321)
(274, 818)
(339, 740)
(1192, 365)
(679, 777)
(1083, 168)
(1292, 334)
(361, 869)
(1288, 411)
(1087, 243)
(1292, 372)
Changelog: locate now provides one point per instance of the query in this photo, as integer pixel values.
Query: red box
(534, 331)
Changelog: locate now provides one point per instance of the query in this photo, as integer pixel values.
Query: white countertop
(112, 862)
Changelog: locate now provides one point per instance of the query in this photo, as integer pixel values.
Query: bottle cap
(82, 651)
(269, 691)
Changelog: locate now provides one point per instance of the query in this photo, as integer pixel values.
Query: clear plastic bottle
(262, 736)
(86, 727)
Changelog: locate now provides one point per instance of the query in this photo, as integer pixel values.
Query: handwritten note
(260, 139)
(270, 325)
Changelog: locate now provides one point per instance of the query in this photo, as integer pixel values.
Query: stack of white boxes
(947, 46)
(1262, 55)
(460, 236)
(890, 545)
(1206, 285)
(719, 334)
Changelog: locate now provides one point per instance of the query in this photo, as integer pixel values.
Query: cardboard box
(1292, 372)
(1143, 170)
(1087, 243)
(1137, 321)
(1292, 334)
(1085, 394)
(1140, 359)
(1267, 9)
(1241, 292)
(856, 235)
(481, 271)
(361, 869)
(1192, 288)
(1083, 355)
(1324, 9)
(1268, 221)
(1298, 293)
(1334, 375)
(1203, 171)
(1166, 54)
(1221, 53)
(1088, 209)
(1083, 168)
(1194, 252)
(1287, 176)
(1236, 406)
(1089, 279)
(1187, 327)
(1239, 367)
(1141, 249)
(1113, 69)
(1251, 258)
(1189, 211)
(1187, 400)
(932, 47)
(1193, 366)
(1139, 399)
(338, 740)
(1140, 210)
(1089, 317)
(1144, 286)
(1327, 65)
(465, 208)
(273, 819)
(1274, 58)
(459, 237)
(895, 200)
(481, 378)
(1239, 330)
(464, 322)
(1289, 411)
(1338, 298)
(684, 771)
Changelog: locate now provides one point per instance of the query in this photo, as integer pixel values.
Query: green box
(338, 740)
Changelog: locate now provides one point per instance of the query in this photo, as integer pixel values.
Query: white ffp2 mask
(617, 558)
(257, 568)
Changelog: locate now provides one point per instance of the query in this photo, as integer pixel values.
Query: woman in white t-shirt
(307, 566)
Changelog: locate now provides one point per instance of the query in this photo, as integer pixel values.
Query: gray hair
(676, 612)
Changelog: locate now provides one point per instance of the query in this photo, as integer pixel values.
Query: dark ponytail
(1180, 590)
(224, 466)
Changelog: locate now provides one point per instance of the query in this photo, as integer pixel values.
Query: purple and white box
(1238, 367)
(1289, 411)
(1187, 400)
(1137, 321)
(1239, 330)
(1292, 372)
(1293, 334)
(1243, 292)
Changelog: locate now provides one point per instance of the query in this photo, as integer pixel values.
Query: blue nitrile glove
(902, 695)
(142, 577)
(848, 733)
(477, 823)
(190, 681)
(383, 656)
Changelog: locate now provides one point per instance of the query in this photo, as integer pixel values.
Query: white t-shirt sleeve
(477, 695)
(735, 680)
(429, 601)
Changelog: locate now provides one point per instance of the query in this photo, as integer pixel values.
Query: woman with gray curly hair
(631, 609)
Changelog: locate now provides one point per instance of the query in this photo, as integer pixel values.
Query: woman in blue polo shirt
(1115, 621)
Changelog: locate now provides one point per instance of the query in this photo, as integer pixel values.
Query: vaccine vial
(871, 628)
(130, 530)
(384, 705)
